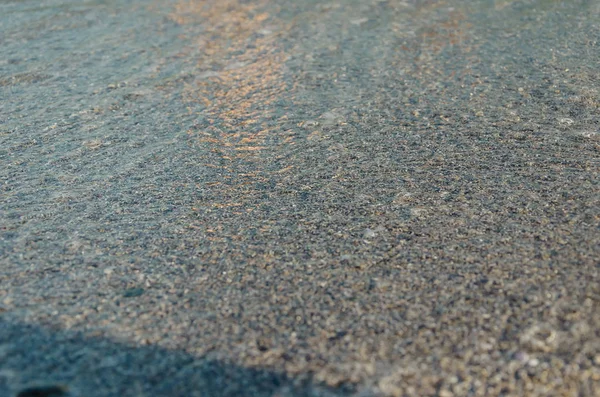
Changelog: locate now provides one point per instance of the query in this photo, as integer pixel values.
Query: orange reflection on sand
(243, 67)
(239, 80)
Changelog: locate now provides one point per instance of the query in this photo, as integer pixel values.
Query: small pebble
(565, 121)
(359, 21)
(45, 391)
(369, 233)
(133, 292)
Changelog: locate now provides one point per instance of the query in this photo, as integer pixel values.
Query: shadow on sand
(40, 362)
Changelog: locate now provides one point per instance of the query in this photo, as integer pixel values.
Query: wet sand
(278, 198)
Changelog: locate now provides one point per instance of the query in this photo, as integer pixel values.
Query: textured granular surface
(299, 198)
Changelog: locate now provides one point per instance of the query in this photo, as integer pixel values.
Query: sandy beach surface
(299, 198)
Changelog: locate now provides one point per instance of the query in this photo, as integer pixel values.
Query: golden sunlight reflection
(236, 90)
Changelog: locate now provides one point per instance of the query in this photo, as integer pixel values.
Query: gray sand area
(299, 198)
